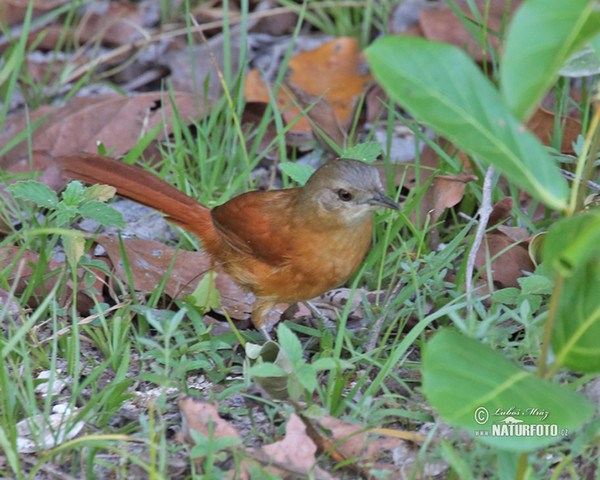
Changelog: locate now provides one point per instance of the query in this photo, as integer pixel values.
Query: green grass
(140, 347)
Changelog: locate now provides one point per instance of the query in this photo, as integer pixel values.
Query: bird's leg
(260, 316)
(318, 314)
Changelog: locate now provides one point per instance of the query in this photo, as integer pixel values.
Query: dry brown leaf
(40, 161)
(375, 100)
(295, 453)
(22, 264)
(251, 118)
(13, 11)
(439, 23)
(542, 125)
(509, 266)
(150, 260)
(500, 212)
(282, 23)
(447, 191)
(516, 234)
(117, 122)
(335, 70)
(444, 191)
(389, 452)
(196, 414)
(322, 114)
(114, 23)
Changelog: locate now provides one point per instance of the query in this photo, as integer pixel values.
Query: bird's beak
(381, 200)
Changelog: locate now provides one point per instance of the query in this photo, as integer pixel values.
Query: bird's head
(346, 192)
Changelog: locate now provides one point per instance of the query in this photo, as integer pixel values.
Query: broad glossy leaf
(576, 334)
(572, 241)
(541, 37)
(440, 86)
(465, 379)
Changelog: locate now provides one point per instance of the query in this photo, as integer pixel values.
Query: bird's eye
(344, 195)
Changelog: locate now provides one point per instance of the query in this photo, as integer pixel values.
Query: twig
(571, 176)
(484, 214)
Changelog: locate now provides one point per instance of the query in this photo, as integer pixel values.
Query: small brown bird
(283, 245)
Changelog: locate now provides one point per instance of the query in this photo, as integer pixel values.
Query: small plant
(75, 202)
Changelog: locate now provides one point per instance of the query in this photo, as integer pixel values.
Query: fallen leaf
(40, 161)
(295, 453)
(21, 264)
(438, 22)
(113, 23)
(508, 266)
(13, 11)
(251, 119)
(443, 192)
(542, 125)
(383, 449)
(196, 414)
(116, 121)
(282, 23)
(501, 211)
(149, 261)
(324, 118)
(335, 70)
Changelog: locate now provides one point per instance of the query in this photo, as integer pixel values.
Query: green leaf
(36, 192)
(271, 369)
(74, 245)
(307, 377)
(572, 241)
(329, 364)
(102, 193)
(297, 172)
(223, 443)
(538, 284)
(366, 152)
(584, 63)
(73, 194)
(138, 149)
(542, 36)
(456, 461)
(267, 370)
(290, 344)
(576, 334)
(441, 87)
(65, 214)
(102, 213)
(465, 379)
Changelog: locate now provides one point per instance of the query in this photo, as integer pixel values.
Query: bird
(285, 246)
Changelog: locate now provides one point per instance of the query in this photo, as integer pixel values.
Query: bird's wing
(258, 224)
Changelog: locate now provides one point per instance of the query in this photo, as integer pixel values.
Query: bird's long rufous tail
(141, 186)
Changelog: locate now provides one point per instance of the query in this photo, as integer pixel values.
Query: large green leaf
(572, 248)
(571, 242)
(541, 37)
(576, 334)
(440, 86)
(463, 379)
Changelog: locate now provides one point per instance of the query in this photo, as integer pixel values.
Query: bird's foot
(318, 315)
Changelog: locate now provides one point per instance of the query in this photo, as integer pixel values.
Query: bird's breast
(317, 262)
